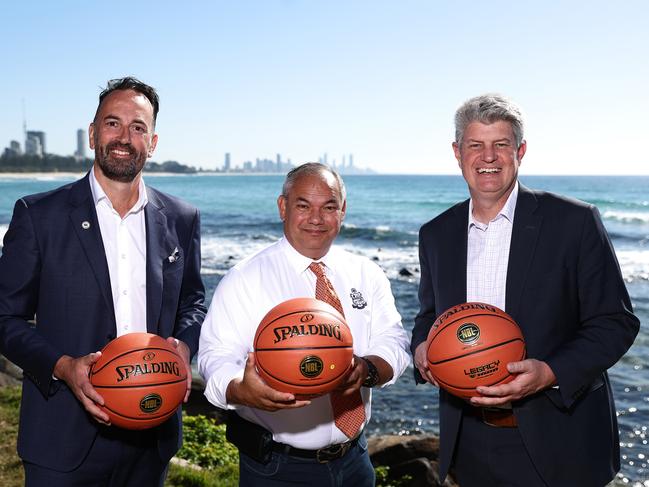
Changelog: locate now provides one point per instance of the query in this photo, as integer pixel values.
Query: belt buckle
(483, 413)
(333, 452)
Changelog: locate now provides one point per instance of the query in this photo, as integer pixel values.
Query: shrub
(204, 443)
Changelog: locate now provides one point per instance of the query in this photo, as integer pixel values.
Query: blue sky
(377, 79)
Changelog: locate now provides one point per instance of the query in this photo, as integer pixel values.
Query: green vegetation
(55, 163)
(204, 443)
(213, 461)
(11, 469)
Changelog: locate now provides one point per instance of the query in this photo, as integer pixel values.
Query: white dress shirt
(488, 254)
(125, 246)
(277, 273)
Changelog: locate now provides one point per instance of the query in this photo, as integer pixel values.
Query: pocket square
(174, 255)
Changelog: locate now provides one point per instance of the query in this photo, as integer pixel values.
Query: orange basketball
(303, 346)
(470, 345)
(142, 379)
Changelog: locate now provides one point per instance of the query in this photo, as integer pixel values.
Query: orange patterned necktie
(349, 412)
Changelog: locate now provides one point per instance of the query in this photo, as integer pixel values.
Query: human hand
(421, 362)
(355, 376)
(531, 376)
(75, 373)
(182, 348)
(252, 391)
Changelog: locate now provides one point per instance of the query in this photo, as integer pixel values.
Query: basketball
(142, 379)
(303, 346)
(470, 345)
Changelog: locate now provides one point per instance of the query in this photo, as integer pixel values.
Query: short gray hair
(312, 169)
(489, 108)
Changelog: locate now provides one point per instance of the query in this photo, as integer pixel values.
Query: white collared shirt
(488, 254)
(277, 273)
(125, 246)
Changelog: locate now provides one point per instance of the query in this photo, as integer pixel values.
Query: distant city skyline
(381, 80)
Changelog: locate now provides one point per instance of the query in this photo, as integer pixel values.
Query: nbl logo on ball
(311, 366)
(150, 403)
(468, 333)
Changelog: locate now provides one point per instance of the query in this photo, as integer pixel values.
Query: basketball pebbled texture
(470, 345)
(303, 346)
(142, 379)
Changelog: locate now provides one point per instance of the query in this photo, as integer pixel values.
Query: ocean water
(384, 213)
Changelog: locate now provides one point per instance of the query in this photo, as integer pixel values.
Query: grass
(11, 469)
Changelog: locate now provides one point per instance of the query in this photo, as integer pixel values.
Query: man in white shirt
(281, 438)
(547, 261)
(93, 260)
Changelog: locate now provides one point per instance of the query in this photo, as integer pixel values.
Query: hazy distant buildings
(35, 143)
(226, 163)
(80, 153)
(13, 150)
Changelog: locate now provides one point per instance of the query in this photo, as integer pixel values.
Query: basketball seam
(93, 372)
(260, 331)
(141, 385)
(477, 351)
(135, 418)
(331, 347)
(299, 384)
(505, 317)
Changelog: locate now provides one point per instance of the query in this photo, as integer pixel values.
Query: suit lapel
(525, 233)
(458, 252)
(156, 253)
(86, 227)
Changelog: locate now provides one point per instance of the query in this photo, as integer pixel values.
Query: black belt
(323, 455)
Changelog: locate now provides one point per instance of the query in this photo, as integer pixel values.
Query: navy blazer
(53, 268)
(565, 290)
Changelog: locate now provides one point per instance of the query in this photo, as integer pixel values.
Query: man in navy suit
(548, 262)
(98, 258)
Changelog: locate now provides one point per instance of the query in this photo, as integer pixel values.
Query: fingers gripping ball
(470, 345)
(303, 346)
(142, 379)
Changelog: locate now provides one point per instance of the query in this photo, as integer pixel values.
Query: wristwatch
(372, 378)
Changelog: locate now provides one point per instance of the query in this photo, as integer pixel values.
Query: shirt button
(123, 256)
(124, 292)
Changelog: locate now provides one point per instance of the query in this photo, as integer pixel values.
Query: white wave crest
(634, 264)
(627, 216)
(3, 230)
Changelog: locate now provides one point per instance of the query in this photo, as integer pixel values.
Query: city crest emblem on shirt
(358, 301)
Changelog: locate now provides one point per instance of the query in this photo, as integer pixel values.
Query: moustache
(119, 146)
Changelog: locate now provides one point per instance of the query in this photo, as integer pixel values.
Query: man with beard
(93, 260)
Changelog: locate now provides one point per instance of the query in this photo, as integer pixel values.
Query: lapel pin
(85, 225)
(174, 255)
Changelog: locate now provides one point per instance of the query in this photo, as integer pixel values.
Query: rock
(10, 375)
(415, 456)
(405, 272)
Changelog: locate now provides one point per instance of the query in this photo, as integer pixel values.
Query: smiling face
(312, 212)
(489, 160)
(122, 135)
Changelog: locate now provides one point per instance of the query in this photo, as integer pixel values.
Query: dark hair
(131, 83)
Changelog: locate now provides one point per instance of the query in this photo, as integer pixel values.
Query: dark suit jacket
(54, 269)
(565, 290)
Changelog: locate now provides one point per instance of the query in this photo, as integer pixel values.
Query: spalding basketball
(470, 345)
(142, 379)
(303, 346)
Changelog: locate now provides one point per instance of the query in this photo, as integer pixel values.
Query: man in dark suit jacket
(553, 269)
(61, 265)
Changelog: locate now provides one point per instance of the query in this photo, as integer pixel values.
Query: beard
(121, 170)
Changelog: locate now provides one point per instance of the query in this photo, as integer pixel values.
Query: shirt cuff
(217, 385)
